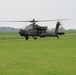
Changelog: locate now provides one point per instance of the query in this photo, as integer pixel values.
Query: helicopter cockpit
(29, 27)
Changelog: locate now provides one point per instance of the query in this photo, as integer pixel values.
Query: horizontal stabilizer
(60, 33)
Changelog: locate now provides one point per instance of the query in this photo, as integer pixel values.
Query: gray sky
(40, 10)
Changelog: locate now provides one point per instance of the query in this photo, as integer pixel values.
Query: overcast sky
(39, 10)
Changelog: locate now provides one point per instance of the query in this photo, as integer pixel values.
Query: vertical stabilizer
(57, 27)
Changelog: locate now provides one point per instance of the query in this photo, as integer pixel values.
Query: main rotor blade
(14, 21)
(52, 20)
(34, 21)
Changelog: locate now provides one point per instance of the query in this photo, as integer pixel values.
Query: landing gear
(57, 37)
(26, 37)
(34, 38)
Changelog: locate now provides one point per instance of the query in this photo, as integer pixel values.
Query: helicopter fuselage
(33, 30)
(36, 30)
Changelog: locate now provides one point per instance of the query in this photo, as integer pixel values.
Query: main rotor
(35, 21)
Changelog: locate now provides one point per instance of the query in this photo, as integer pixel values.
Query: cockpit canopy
(34, 27)
(28, 28)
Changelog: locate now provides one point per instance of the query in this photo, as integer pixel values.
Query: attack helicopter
(36, 30)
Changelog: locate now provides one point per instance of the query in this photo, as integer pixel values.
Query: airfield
(44, 56)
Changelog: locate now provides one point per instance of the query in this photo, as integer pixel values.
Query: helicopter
(36, 30)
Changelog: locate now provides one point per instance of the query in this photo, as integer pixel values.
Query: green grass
(49, 56)
(9, 35)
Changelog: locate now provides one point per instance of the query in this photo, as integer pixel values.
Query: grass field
(49, 56)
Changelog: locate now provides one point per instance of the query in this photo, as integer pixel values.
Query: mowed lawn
(48, 56)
